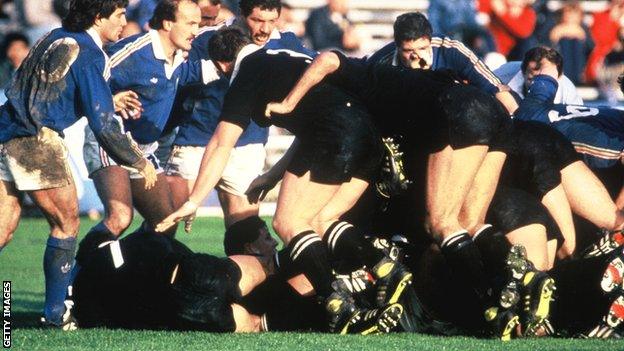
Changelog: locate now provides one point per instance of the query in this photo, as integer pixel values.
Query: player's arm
(476, 72)
(97, 104)
(323, 65)
(260, 186)
(212, 165)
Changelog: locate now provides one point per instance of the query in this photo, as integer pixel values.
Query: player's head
(180, 19)
(260, 17)
(531, 63)
(107, 17)
(209, 12)
(224, 46)
(412, 35)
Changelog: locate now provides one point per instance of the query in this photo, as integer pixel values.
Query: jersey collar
(95, 36)
(245, 51)
(159, 54)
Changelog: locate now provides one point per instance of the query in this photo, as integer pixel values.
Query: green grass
(21, 263)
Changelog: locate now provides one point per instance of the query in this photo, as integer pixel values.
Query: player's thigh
(113, 187)
(342, 201)
(180, 190)
(154, 204)
(299, 201)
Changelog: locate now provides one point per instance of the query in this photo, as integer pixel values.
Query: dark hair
(165, 11)
(411, 26)
(621, 81)
(538, 53)
(10, 39)
(247, 6)
(226, 43)
(83, 13)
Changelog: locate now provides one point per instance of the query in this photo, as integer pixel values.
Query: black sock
(308, 252)
(465, 261)
(346, 242)
(494, 248)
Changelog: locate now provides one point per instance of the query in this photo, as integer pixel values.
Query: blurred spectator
(288, 23)
(13, 51)
(571, 38)
(39, 17)
(328, 27)
(544, 22)
(607, 73)
(604, 31)
(9, 18)
(511, 23)
(138, 14)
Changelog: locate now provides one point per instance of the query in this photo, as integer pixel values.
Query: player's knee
(282, 227)
(119, 220)
(6, 237)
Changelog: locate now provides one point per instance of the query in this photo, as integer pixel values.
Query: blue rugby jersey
(596, 132)
(64, 78)
(138, 63)
(198, 108)
(451, 55)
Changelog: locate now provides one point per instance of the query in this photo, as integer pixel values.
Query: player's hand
(127, 104)
(277, 107)
(185, 213)
(149, 174)
(260, 187)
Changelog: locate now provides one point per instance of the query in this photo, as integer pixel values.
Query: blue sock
(58, 260)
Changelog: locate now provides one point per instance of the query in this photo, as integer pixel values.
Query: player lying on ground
(336, 156)
(200, 291)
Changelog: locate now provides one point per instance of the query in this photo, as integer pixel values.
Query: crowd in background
(497, 30)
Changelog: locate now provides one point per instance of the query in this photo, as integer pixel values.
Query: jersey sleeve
(97, 105)
(469, 67)
(543, 89)
(351, 73)
(198, 71)
(290, 41)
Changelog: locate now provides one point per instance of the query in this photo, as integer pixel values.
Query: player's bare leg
(10, 210)
(113, 187)
(558, 206)
(589, 198)
(533, 238)
(236, 208)
(154, 204)
(180, 189)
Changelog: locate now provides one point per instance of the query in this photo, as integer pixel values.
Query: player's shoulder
(130, 45)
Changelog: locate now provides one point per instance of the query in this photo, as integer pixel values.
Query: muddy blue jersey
(198, 107)
(64, 78)
(596, 132)
(138, 63)
(450, 55)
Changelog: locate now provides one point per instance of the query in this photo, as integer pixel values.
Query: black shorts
(472, 117)
(203, 291)
(512, 209)
(536, 154)
(339, 143)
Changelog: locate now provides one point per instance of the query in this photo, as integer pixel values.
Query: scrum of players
(421, 193)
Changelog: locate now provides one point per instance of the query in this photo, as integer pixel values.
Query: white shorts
(96, 158)
(36, 162)
(244, 165)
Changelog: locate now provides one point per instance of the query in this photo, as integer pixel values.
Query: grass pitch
(21, 263)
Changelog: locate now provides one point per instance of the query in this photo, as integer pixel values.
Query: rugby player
(461, 123)
(416, 47)
(336, 157)
(198, 109)
(152, 65)
(63, 78)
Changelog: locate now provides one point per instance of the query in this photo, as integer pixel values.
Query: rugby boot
(341, 309)
(609, 241)
(505, 323)
(392, 279)
(68, 323)
(613, 274)
(378, 320)
(536, 291)
(392, 180)
(611, 323)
